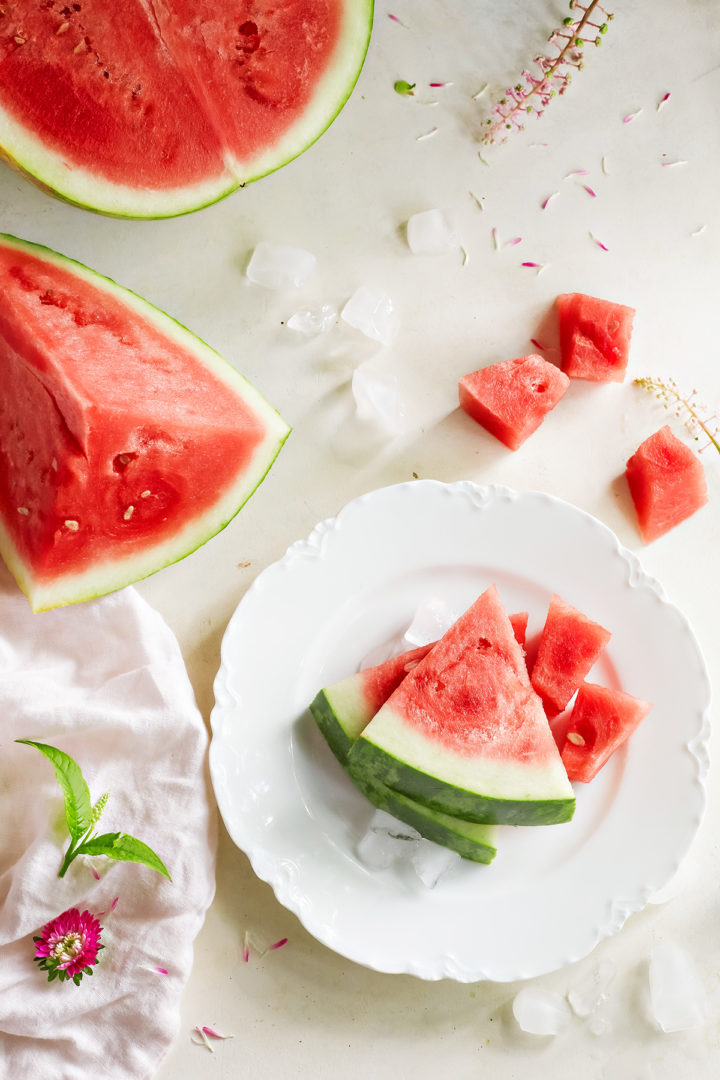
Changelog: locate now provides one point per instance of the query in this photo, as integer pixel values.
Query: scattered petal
(94, 873)
(604, 165)
(466, 257)
(246, 947)
(478, 202)
(203, 1037)
(631, 116)
(701, 229)
(428, 134)
(576, 172)
(544, 203)
(539, 145)
(216, 1034)
(398, 21)
(598, 242)
(512, 243)
(670, 164)
(496, 242)
(591, 193)
(536, 343)
(441, 84)
(533, 265)
(662, 101)
(480, 92)
(278, 944)
(159, 970)
(114, 903)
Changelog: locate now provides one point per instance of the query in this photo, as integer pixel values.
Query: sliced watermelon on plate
(594, 337)
(667, 483)
(569, 645)
(125, 441)
(600, 722)
(510, 399)
(150, 110)
(465, 733)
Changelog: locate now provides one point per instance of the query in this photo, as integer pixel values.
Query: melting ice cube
(591, 989)
(428, 233)
(371, 311)
(541, 1012)
(277, 266)
(431, 861)
(430, 621)
(385, 841)
(377, 399)
(677, 999)
(313, 322)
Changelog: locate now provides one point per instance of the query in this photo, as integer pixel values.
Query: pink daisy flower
(67, 946)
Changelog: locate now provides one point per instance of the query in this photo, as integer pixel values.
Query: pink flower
(67, 946)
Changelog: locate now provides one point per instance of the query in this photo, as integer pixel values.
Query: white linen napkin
(105, 682)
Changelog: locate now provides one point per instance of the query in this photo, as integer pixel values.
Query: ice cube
(313, 322)
(277, 266)
(591, 989)
(385, 841)
(430, 621)
(431, 861)
(677, 999)
(380, 653)
(428, 233)
(377, 399)
(541, 1012)
(371, 311)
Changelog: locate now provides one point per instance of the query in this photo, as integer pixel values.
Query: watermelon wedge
(125, 441)
(594, 337)
(152, 110)
(667, 483)
(600, 722)
(465, 733)
(570, 643)
(510, 399)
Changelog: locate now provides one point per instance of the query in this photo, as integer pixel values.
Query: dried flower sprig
(67, 946)
(687, 408)
(535, 89)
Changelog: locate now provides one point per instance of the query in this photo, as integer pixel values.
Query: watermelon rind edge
(119, 572)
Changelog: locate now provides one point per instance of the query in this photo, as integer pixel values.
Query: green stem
(69, 856)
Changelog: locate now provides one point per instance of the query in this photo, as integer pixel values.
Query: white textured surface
(303, 1010)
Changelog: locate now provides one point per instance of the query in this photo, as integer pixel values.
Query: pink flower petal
(544, 203)
(94, 873)
(576, 172)
(512, 243)
(496, 242)
(591, 193)
(440, 84)
(398, 21)
(533, 265)
(204, 1038)
(662, 101)
(216, 1034)
(631, 116)
(278, 944)
(536, 343)
(114, 903)
(598, 242)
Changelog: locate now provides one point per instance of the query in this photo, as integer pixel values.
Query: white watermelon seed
(576, 738)
(53, 464)
(73, 526)
(63, 28)
(144, 494)
(23, 510)
(129, 513)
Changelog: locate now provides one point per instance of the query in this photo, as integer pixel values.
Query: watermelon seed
(575, 738)
(128, 513)
(53, 464)
(63, 28)
(144, 494)
(19, 40)
(80, 47)
(73, 526)
(23, 510)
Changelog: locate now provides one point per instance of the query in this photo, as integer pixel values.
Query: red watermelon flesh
(157, 109)
(125, 442)
(519, 622)
(594, 337)
(600, 722)
(667, 483)
(570, 643)
(510, 399)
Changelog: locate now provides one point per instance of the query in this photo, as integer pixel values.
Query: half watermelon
(152, 110)
(125, 441)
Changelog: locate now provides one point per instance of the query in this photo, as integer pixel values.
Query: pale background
(303, 1011)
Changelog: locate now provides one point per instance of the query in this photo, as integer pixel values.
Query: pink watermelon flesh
(667, 483)
(600, 722)
(510, 399)
(114, 436)
(570, 643)
(519, 622)
(377, 683)
(163, 96)
(594, 337)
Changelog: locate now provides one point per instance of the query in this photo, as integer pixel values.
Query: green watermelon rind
(69, 588)
(52, 178)
(331, 725)
(369, 763)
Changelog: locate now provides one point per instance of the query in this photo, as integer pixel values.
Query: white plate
(552, 892)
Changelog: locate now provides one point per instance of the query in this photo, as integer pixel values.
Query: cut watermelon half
(667, 483)
(465, 733)
(600, 722)
(125, 441)
(152, 110)
(510, 399)
(594, 337)
(570, 643)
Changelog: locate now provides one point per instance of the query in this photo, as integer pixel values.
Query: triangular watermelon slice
(570, 643)
(125, 441)
(600, 722)
(466, 734)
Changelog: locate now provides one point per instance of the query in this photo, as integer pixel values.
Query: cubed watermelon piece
(600, 722)
(511, 398)
(667, 483)
(570, 643)
(594, 337)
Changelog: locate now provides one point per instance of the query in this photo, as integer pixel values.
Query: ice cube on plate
(429, 233)
(431, 861)
(591, 989)
(277, 266)
(313, 322)
(677, 999)
(430, 621)
(541, 1012)
(385, 841)
(371, 311)
(377, 399)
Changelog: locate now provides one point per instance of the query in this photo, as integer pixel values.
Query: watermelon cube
(594, 337)
(510, 399)
(667, 483)
(570, 643)
(600, 722)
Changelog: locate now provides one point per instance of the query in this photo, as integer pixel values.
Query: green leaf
(125, 848)
(78, 809)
